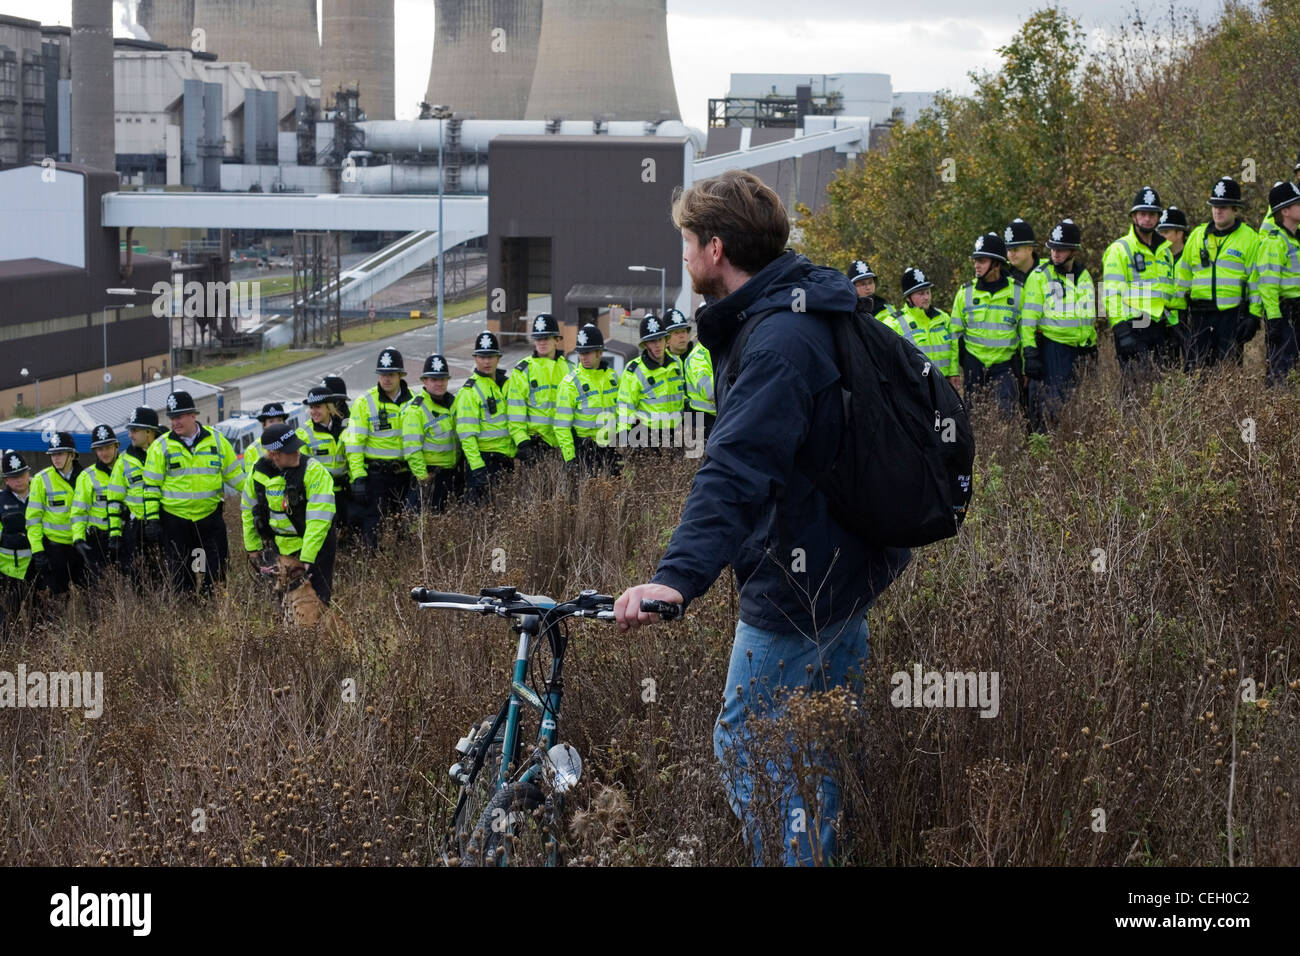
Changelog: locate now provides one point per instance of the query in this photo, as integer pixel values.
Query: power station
(484, 56)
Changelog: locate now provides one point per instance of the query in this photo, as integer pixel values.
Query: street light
(26, 374)
(441, 114)
(171, 357)
(663, 274)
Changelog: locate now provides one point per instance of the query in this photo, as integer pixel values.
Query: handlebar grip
(427, 596)
(663, 608)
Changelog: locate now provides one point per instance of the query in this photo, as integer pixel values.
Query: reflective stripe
(317, 515)
(383, 452)
(17, 554)
(195, 495)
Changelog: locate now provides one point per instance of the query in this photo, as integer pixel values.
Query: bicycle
(497, 791)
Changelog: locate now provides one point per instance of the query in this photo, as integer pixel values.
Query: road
(356, 363)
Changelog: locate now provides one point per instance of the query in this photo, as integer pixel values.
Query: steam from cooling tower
(484, 56)
(167, 21)
(124, 21)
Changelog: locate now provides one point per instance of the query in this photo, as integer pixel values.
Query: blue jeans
(761, 662)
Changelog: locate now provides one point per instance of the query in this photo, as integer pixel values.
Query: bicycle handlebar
(466, 602)
(427, 596)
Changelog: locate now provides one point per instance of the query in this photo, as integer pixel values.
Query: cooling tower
(484, 54)
(167, 21)
(268, 34)
(91, 59)
(603, 56)
(357, 51)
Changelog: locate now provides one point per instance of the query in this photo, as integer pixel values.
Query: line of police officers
(1024, 329)
(352, 464)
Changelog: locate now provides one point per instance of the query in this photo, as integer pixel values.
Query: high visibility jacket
(429, 433)
(530, 397)
(1031, 299)
(96, 501)
(49, 507)
(1214, 270)
(186, 481)
(375, 429)
(1138, 280)
(325, 444)
(697, 370)
(586, 407)
(1277, 271)
(654, 394)
(15, 550)
(1069, 308)
(480, 410)
(930, 331)
(988, 320)
(127, 485)
(299, 522)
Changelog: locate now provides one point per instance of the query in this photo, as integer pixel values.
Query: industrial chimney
(91, 61)
(278, 35)
(484, 55)
(357, 51)
(167, 21)
(603, 56)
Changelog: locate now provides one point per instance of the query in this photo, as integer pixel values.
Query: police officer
(272, 413)
(1213, 276)
(1065, 335)
(380, 477)
(926, 327)
(1173, 227)
(864, 283)
(184, 473)
(697, 371)
(651, 391)
(128, 482)
(1270, 221)
(49, 517)
(530, 393)
(322, 438)
(1137, 276)
(481, 426)
(17, 574)
(1277, 274)
(586, 408)
(986, 316)
(337, 391)
(429, 439)
(97, 506)
(293, 511)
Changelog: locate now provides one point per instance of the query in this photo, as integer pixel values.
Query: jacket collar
(718, 322)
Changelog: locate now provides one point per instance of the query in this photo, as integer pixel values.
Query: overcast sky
(923, 45)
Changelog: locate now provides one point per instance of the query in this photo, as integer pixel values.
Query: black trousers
(495, 465)
(14, 594)
(596, 459)
(1209, 336)
(385, 495)
(100, 559)
(65, 567)
(437, 489)
(191, 547)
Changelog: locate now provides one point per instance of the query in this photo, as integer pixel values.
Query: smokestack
(278, 35)
(603, 56)
(167, 21)
(484, 55)
(357, 51)
(91, 59)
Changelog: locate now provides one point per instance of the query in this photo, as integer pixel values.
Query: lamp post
(441, 114)
(663, 281)
(26, 374)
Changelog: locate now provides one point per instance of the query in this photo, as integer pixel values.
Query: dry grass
(1119, 689)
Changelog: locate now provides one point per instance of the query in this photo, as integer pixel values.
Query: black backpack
(902, 475)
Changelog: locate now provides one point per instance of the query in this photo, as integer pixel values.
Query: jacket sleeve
(1268, 277)
(466, 409)
(748, 464)
(36, 517)
(1031, 309)
(155, 465)
(629, 395)
(413, 439)
(116, 494)
(248, 498)
(82, 495)
(516, 394)
(355, 436)
(957, 317)
(1114, 279)
(565, 396)
(320, 510)
(232, 476)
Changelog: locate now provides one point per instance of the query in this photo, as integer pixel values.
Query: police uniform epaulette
(521, 364)
(469, 382)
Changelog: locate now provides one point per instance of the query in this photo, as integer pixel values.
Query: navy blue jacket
(752, 503)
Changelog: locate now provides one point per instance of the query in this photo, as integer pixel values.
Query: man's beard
(712, 289)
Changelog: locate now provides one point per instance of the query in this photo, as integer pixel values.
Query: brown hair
(742, 211)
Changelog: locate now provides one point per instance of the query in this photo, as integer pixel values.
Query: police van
(245, 429)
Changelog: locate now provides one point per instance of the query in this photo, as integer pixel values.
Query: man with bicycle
(754, 504)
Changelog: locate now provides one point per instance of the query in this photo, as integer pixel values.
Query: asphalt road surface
(356, 363)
